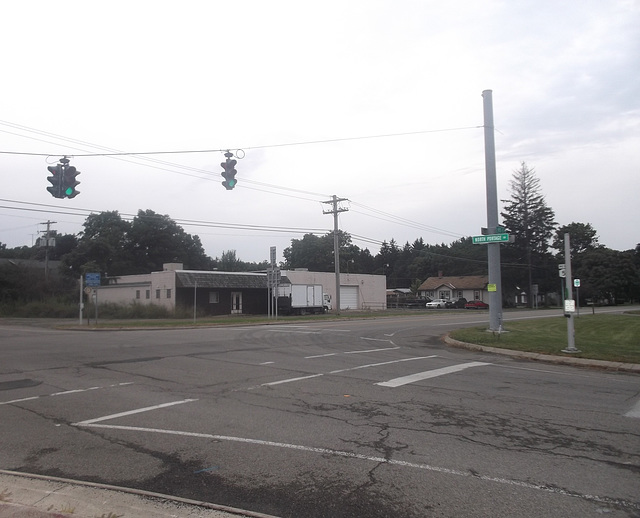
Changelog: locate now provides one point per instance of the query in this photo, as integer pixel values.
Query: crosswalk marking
(635, 411)
(412, 378)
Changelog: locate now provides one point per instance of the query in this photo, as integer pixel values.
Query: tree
(155, 239)
(229, 262)
(115, 247)
(583, 237)
(316, 252)
(527, 217)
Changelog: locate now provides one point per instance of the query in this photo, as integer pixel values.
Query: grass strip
(599, 337)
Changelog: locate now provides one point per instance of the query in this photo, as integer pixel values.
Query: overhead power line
(42, 207)
(111, 152)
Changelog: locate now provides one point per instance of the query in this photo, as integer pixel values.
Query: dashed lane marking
(65, 393)
(412, 378)
(131, 412)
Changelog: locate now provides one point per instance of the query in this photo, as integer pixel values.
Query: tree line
(114, 247)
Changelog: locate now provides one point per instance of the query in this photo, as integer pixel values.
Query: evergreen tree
(527, 217)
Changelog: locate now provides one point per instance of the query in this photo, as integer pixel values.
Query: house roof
(460, 282)
(232, 280)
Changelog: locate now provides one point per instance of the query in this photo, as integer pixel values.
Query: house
(470, 287)
(217, 293)
(224, 293)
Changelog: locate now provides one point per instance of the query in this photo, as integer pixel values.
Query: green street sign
(491, 238)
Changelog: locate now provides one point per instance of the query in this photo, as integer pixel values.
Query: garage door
(348, 297)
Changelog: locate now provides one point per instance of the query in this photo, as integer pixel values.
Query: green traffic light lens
(68, 191)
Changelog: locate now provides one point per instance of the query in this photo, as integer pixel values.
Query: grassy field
(599, 337)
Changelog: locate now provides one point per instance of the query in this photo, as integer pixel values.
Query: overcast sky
(375, 101)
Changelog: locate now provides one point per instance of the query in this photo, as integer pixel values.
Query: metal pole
(80, 305)
(493, 249)
(571, 337)
(195, 300)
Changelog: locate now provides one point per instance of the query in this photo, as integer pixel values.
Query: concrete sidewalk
(32, 496)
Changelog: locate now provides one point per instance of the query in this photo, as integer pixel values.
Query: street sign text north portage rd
(491, 238)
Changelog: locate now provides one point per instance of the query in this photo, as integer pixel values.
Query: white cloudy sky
(296, 85)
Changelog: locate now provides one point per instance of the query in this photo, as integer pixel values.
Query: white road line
(301, 378)
(131, 412)
(20, 400)
(372, 350)
(375, 339)
(384, 363)
(547, 488)
(351, 352)
(290, 380)
(65, 393)
(266, 363)
(635, 411)
(404, 380)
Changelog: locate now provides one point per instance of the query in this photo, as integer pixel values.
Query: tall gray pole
(571, 336)
(493, 249)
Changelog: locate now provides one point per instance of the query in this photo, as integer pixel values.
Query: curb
(37, 496)
(633, 368)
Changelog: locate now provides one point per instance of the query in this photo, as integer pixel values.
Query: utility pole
(569, 303)
(493, 249)
(46, 250)
(336, 243)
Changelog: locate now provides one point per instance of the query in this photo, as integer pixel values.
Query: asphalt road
(361, 418)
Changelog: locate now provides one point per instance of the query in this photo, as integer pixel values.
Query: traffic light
(229, 172)
(63, 180)
(70, 182)
(56, 181)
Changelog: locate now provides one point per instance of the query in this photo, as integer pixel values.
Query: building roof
(232, 280)
(460, 282)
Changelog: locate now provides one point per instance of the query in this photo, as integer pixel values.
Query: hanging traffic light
(70, 182)
(63, 179)
(56, 180)
(229, 172)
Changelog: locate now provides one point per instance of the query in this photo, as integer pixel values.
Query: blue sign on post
(92, 279)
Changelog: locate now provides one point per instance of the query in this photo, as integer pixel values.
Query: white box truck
(301, 299)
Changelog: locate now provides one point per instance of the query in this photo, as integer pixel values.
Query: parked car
(456, 304)
(476, 304)
(437, 303)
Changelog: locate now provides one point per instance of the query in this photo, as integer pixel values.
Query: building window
(214, 297)
(460, 294)
(157, 294)
(445, 294)
(137, 294)
(168, 293)
(476, 295)
(431, 294)
(147, 294)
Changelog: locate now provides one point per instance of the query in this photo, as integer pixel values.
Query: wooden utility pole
(336, 243)
(46, 250)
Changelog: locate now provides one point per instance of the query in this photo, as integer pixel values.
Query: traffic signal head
(229, 172)
(70, 182)
(56, 181)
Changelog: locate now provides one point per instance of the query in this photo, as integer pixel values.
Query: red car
(476, 304)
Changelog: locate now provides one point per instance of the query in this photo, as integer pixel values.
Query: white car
(436, 303)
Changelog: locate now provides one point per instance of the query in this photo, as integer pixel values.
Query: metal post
(493, 249)
(81, 304)
(571, 338)
(195, 300)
